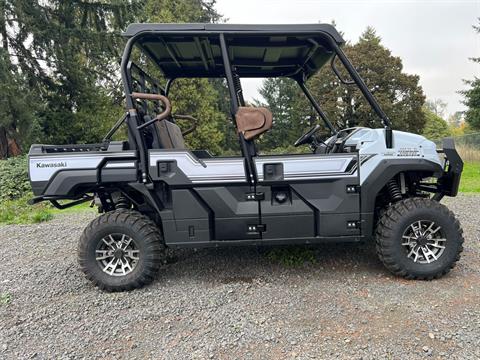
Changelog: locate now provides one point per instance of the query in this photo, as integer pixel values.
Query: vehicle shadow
(243, 264)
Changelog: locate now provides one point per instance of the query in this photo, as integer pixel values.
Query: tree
(398, 93)
(16, 104)
(180, 11)
(472, 96)
(65, 53)
(435, 127)
(437, 106)
(472, 101)
(290, 109)
(197, 97)
(456, 119)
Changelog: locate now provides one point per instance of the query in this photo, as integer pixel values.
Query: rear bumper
(449, 182)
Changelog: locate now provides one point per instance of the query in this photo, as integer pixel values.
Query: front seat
(169, 135)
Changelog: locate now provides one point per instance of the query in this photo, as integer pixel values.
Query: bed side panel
(60, 174)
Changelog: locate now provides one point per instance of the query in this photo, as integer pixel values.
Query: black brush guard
(449, 182)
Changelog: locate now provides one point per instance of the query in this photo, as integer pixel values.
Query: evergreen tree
(399, 94)
(17, 104)
(66, 54)
(292, 114)
(472, 96)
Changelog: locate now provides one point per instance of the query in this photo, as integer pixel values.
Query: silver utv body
(202, 200)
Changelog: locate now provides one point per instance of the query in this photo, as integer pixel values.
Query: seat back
(169, 135)
(253, 121)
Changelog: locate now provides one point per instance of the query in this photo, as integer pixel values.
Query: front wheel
(121, 250)
(419, 238)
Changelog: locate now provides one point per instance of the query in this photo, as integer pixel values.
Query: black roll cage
(137, 141)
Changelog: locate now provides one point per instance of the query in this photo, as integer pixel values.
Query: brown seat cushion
(253, 121)
(170, 135)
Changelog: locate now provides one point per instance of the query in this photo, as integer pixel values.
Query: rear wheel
(419, 238)
(121, 250)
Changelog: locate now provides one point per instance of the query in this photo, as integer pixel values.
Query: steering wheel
(307, 137)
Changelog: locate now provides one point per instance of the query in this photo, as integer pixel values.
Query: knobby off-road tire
(121, 250)
(410, 231)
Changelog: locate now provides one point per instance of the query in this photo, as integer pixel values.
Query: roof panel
(136, 29)
(193, 50)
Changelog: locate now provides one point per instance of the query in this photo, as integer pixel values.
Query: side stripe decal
(204, 170)
(232, 169)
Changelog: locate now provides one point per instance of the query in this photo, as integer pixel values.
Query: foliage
(17, 106)
(398, 93)
(196, 97)
(59, 69)
(292, 256)
(19, 212)
(292, 114)
(15, 191)
(180, 11)
(472, 95)
(65, 54)
(201, 102)
(435, 127)
(472, 101)
(13, 178)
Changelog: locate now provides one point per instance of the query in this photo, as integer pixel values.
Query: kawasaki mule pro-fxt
(357, 184)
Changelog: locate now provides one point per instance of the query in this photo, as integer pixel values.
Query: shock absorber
(121, 202)
(238, 89)
(394, 190)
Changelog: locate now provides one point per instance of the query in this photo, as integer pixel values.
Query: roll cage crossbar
(214, 43)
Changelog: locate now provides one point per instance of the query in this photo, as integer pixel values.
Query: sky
(434, 39)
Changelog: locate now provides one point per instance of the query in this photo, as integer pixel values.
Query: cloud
(433, 38)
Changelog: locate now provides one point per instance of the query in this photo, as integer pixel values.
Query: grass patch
(292, 256)
(5, 298)
(470, 181)
(19, 212)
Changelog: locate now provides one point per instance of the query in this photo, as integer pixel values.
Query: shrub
(14, 182)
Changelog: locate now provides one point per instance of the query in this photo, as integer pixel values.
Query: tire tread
(143, 226)
(384, 238)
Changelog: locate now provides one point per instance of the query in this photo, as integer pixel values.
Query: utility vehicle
(356, 184)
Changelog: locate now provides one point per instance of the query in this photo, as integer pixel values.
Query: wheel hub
(424, 241)
(117, 254)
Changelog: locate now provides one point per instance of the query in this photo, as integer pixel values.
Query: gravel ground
(235, 303)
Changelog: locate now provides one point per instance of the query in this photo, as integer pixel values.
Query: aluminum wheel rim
(117, 254)
(424, 241)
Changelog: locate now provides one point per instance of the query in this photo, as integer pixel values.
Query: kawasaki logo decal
(52, 165)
